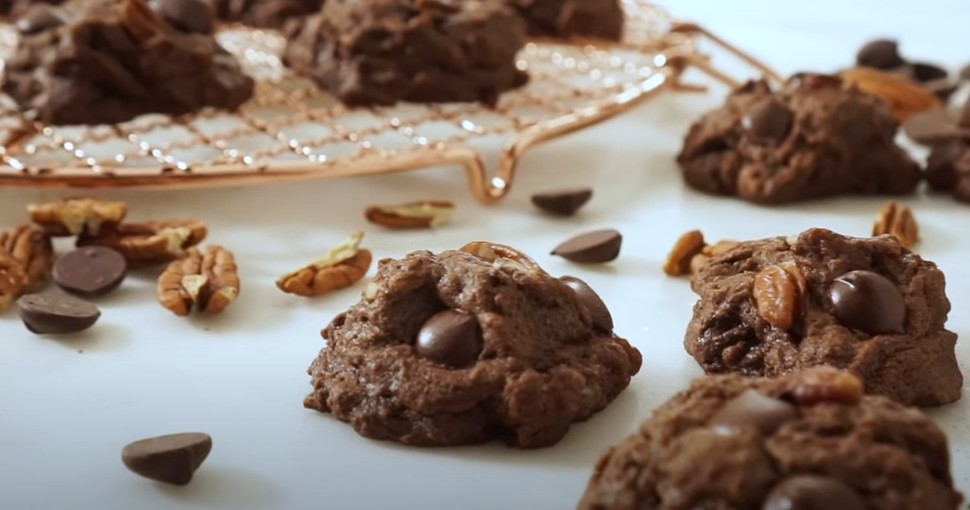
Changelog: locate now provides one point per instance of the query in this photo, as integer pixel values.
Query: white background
(65, 414)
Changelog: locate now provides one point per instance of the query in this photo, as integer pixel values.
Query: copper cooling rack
(290, 130)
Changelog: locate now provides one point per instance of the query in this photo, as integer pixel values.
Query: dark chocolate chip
(944, 88)
(812, 492)
(39, 17)
(172, 459)
(933, 126)
(754, 409)
(869, 302)
(593, 247)
(564, 202)
(55, 313)
(881, 54)
(90, 271)
(925, 72)
(187, 15)
(450, 338)
(597, 309)
(768, 121)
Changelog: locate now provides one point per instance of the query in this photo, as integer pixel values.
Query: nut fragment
(501, 256)
(697, 262)
(904, 96)
(208, 281)
(898, 221)
(31, 247)
(780, 294)
(685, 249)
(75, 216)
(819, 385)
(341, 267)
(425, 214)
(152, 242)
(13, 280)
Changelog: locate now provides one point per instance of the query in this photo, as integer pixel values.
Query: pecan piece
(425, 214)
(679, 260)
(342, 266)
(898, 221)
(31, 247)
(208, 281)
(76, 216)
(13, 280)
(708, 252)
(818, 385)
(149, 243)
(904, 96)
(502, 256)
(780, 295)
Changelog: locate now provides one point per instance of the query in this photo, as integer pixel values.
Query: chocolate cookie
(379, 52)
(807, 441)
(948, 166)
(871, 306)
(264, 13)
(468, 346)
(601, 19)
(108, 61)
(813, 138)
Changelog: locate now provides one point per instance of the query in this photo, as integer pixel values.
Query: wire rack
(291, 130)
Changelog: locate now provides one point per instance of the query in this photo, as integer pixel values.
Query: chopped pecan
(208, 281)
(904, 96)
(341, 267)
(697, 262)
(502, 256)
(819, 385)
(149, 243)
(76, 216)
(13, 280)
(780, 294)
(898, 221)
(685, 249)
(31, 247)
(426, 214)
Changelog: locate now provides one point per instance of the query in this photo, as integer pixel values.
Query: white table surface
(68, 406)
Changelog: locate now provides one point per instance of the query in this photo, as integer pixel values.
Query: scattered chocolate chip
(598, 311)
(187, 15)
(450, 338)
(90, 271)
(54, 313)
(39, 17)
(925, 71)
(934, 126)
(881, 54)
(869, 302)
(564, 202)
(812, 492)
(593, 247)
(173, 458)
(754, 409)
(768, 121)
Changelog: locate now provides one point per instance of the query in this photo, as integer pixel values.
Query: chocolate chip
(925, 72)
(171, 459)
(90, 271)
(934, 126)
(55, 313)
(868, 302)
(39, 17)
(597, 309)
(812, 492)
(187, 15)
(754, 409)
(450, 338)
(881, 54)
(768, 121)
(593, 247)
(564, 202)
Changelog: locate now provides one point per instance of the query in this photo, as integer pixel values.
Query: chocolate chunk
(563, 203)
(173, 458)
(598, 311)
(38, 18)
(450, 338)
(881, 54)
(925, 71)
(593, 247)
(54, 313)
(754, 409)
(187, 15)
(768, 121)
(90, 271)
(868, 302)
(812, 492)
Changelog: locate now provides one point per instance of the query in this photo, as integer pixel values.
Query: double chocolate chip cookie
(468, 346)
(108, 61)
(813, 138)
(870, 306)
(601, 19)
(807, 441)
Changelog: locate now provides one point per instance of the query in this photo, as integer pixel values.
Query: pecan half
(31, 247)
(904, 96)
(898, 221)
(207, 281)
(13, 280)
(685, 249)
(341, 267)
(819, 385)
(502, 256)
(149, 243)
(425, 214)
(781, 295)
(75, 216)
